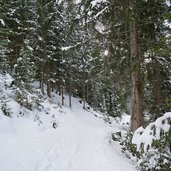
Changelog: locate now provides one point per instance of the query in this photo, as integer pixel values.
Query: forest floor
(80, 142)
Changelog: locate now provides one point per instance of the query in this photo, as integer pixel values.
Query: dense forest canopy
(107, 52)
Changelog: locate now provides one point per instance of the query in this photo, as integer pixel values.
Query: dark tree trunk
(48, 88)
(157, 89)
(42, 79)
(84, 96)
(48, 80)
(62, 95)
(70, 96)
(137, 112)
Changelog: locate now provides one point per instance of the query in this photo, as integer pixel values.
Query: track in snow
(80, 143)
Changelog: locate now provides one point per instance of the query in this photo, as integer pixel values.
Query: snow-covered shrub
(124, 138)
(10, 93)
(129, 149)
(4, 106)
(154, 145)
(29, 99)
(5, 80)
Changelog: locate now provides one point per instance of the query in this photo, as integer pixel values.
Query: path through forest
(81, 142)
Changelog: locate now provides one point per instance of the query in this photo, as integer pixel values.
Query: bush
(154, 145)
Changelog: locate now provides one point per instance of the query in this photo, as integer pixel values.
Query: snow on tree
(154, 144)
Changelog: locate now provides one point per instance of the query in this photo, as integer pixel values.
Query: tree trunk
(87, 93)
(84, 96)
(48, 80)
(42, 79)
(157, 89)
(70, 95)
(137, 113)
(48, 88)
(62, 94)
(42, 46)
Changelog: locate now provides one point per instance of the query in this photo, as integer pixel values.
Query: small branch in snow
(2, 22)
(69, 47)
(101, 12)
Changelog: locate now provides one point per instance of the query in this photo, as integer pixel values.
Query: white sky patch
(168, 3)
(106, 52)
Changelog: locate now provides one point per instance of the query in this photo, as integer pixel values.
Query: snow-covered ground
(81, 142)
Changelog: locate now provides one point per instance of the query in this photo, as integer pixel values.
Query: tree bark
(137, 113)
(42, 79)
(157, 89)
(42, 46)
(48, 88)
(84, 96)
(62, 94)
(70, 95)
(87, 93)
(48, 80)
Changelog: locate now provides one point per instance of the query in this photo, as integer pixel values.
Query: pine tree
(49, 42)
(3, 38)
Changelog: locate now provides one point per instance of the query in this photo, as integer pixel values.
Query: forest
(114, 55)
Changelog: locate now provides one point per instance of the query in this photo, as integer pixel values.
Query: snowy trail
(80, 143)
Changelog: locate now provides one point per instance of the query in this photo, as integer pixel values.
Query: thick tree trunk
(137, 113)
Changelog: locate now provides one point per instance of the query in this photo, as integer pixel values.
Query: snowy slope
(81, 142)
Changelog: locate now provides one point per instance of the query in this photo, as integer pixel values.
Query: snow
(151, 132)
(81, 141)
(59, 1)
(100, 12)
(77, 1)
(96, 2)
(168, 3)
(30, 48)
(66, 48)
(2, 22)
(100, 27)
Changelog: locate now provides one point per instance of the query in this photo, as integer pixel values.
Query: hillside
(58, 138)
